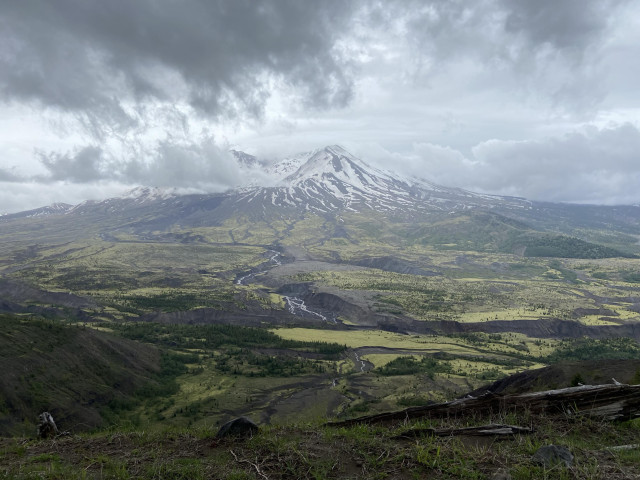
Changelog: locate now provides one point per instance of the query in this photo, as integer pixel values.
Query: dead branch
(481, 431)
(254, 465)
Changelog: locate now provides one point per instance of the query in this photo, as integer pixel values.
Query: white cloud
(590, 165)
(26, 195)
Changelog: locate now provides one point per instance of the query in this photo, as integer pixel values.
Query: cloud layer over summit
(534, 99)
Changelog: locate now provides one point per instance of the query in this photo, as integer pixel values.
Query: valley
(288, 311)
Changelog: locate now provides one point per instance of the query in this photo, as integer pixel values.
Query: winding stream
(295, 305)
(362, 364)
(274, 261)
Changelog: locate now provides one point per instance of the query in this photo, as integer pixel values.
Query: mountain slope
(328, 184)
(53, 209)
(73, 372)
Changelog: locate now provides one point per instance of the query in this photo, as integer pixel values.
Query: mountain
(326, 249)
(288, 165)
(53, 209)
(331, 183)
(139, 196)
(331, 180)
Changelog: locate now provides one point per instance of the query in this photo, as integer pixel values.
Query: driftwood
(609, 402)
(492, 430)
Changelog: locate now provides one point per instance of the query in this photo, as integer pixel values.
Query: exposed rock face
(551, 455)
(238, 427)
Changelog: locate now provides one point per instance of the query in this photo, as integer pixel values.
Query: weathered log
(609, 402)
(491, 430)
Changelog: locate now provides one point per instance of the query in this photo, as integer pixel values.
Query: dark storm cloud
(194, 164)
(545, 49)
(572, 25)
(93, 56)
(499, 28)
(104, 61)
(153, 82)
(81, 166)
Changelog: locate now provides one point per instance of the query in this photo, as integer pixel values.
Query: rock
(238, 427)
(46, 426)
(501, 474)
(551, 455)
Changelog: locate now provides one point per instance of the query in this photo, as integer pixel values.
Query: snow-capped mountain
(53, 209)
(289, 165)
(134, 197)
(331, 179)
(150, 194)
(327, 182)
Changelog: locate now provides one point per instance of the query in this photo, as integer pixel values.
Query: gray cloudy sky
(530, 98)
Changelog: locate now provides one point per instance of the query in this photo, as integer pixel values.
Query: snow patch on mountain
(150, 194)
(53, 209)
(285, 167)
(331, 179)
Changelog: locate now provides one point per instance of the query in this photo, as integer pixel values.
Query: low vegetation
(217, 336)
(594, 349)
(84, 349)
(411, 366)
(74, 372)
(313, 451)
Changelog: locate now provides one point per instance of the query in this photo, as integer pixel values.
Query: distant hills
(329, 183)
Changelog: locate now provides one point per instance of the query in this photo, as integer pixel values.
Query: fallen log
(492, 430)
(609, 402)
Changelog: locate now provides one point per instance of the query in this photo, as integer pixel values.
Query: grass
(312, 451)
(183, 269)
(476, 344)
(465, 298)
(373, 338)
(380, 359)
(521, 313)
(74, 372)
(133, 277)
(133, 274)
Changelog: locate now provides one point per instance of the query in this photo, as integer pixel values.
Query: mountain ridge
(346, 181)
(330, 183)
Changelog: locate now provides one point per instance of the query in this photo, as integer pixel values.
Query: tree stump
(46, 426)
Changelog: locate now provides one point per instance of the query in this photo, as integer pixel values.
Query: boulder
(238, 427)
(552, 455)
